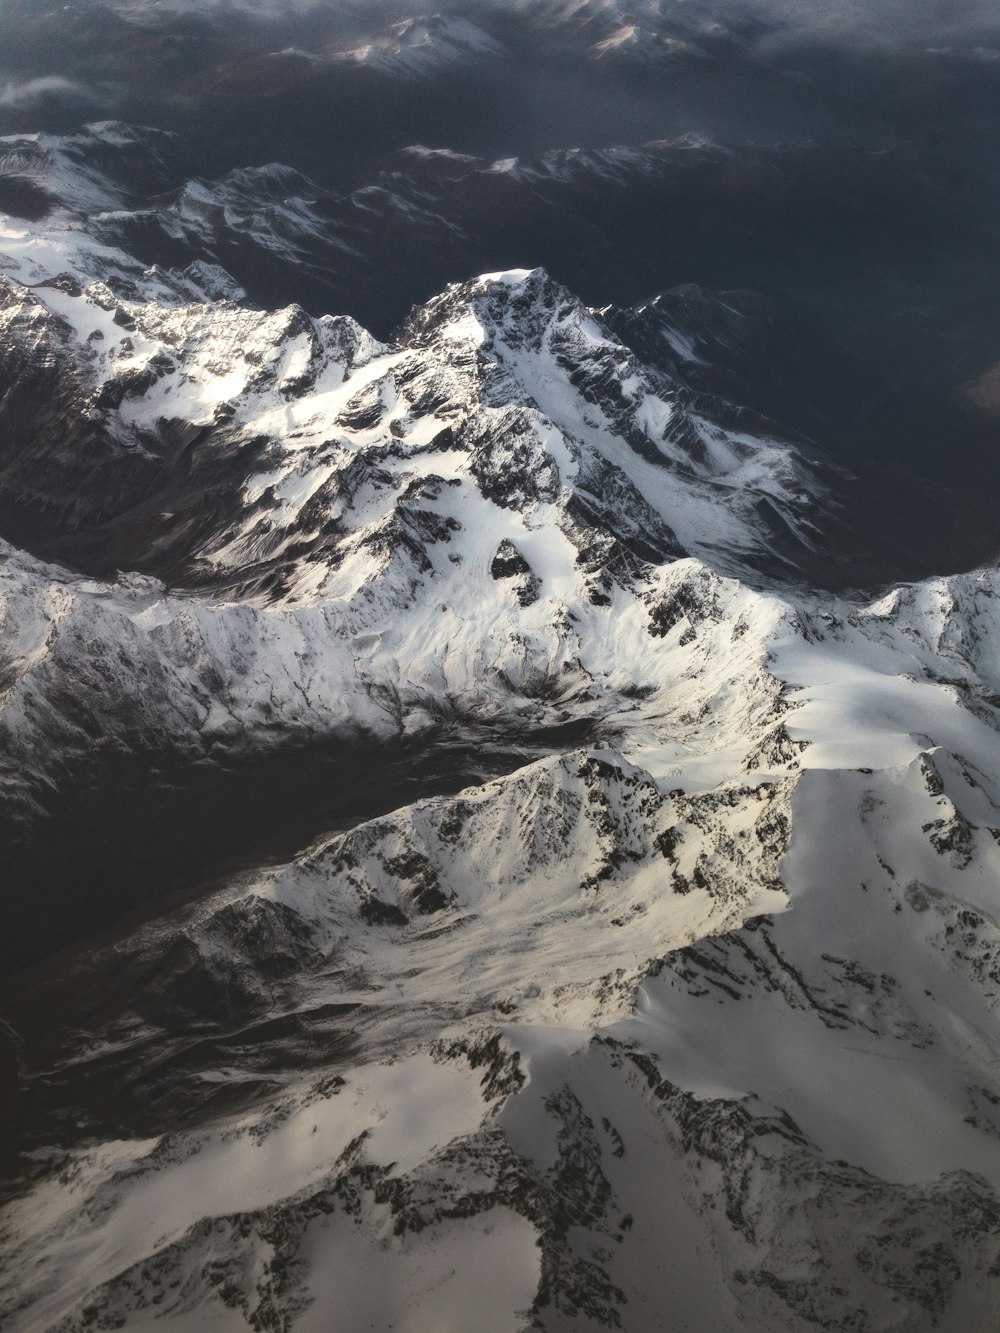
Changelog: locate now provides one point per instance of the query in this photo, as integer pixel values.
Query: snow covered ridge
(323, 452)
(699, 1015)
(731, 982)
(738, 999)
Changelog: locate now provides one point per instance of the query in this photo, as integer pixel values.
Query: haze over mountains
(499, 676)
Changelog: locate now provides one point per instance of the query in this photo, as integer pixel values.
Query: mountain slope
(691, 991)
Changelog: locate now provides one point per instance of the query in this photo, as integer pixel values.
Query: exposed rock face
(684, 1002)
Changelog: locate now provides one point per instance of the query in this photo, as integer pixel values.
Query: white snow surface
(698, 1016)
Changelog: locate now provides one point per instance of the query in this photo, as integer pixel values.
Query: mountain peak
(517, 305)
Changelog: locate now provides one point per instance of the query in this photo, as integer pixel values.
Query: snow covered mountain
(114, 202)
(415, 47)
(553, 901)
(726, 980)
(444, 530)
(842, 363)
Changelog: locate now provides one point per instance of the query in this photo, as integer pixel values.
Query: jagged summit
(517, 305)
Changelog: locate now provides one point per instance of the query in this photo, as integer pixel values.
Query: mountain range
(499, 679)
